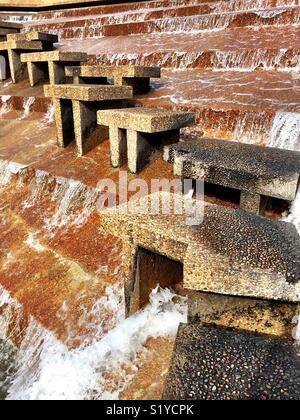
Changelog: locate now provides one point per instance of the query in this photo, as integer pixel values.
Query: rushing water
(46, 369)
(27, 105)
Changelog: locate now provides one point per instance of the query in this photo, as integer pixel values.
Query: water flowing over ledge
(46, 369)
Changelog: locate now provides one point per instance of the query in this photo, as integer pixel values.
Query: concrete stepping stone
(76, 109)
(230, 253)
(50, 65)
(144, 129)
(34, 36)
(12, 50)
(217, 364)
(138, 77)
(9, 28)
(256, 171)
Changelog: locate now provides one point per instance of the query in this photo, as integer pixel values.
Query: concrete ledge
(50, 4)
(10, 25)
(113, 71)
(146, 120)
(213, 363)
(88, 92)
(256, 169)
(33, 36)
(56, 55)
(231, 253)
(21, 45)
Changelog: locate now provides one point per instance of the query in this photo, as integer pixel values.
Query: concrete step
(256, 171)
(126, 8)
(207, 22)
(225, 251)
(216, 364)
(237, 49)
(229, 105)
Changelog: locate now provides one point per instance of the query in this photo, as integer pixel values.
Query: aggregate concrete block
(34, 36)
(256, 169)
(231, 252)
(216, 364)
(146, 120)
(88, 92)
(253, 315)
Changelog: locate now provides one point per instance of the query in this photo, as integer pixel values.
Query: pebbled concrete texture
(113, 71)
(33, 36)
(269, 171)
(254, 315)
(231, 252)
(218, 364)
(55, 56)
(88, 92)
(146, 120)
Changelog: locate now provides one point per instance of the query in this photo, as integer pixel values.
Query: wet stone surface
(213, 363)
(7, 364)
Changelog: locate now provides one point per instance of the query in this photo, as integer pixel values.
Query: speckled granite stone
(266, 171)
(143, 126)
(76, 109)
(216, 364)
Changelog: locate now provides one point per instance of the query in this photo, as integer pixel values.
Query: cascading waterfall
(46, 369)
(49, 117)
(6, 104)
(72, 201)
(27, 105)
(294, 213)
(285, 133)
(7, 170)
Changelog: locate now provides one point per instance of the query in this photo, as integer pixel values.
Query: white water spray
(47, 370)
(6, 104)
(285, 133)
(27, 105)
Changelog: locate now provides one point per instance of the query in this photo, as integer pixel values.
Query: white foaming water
(6, 105)
(285, 133)
(71, 201)
(249, 60)
(49, 117)
(74, 204)
(296, 330)
(47, 370)
(294, 213)
(7, 170)
(27, 107)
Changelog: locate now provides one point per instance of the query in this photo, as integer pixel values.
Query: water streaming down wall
(46, 369)
(49, 117)
(5, 104)
(71, 202)
(27, 105)
(285, 133)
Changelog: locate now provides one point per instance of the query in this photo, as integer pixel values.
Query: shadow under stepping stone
(256, 171)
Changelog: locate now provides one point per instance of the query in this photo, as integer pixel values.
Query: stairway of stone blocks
(178, 90)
